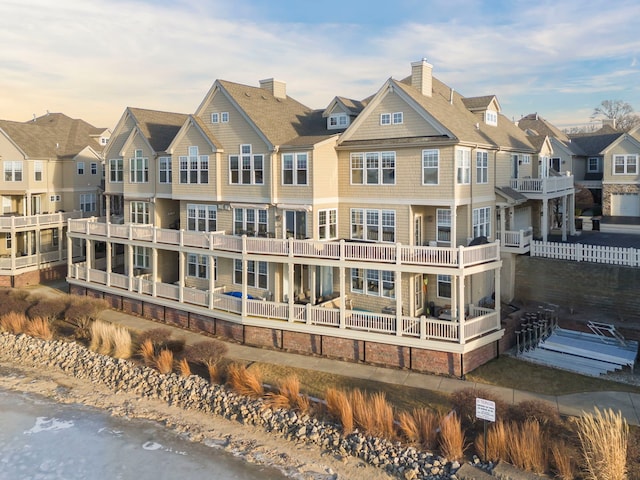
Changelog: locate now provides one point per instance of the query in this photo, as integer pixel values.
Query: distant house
(52, 171)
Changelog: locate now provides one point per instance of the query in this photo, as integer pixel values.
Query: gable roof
(479, 103)
(280, 120)
(594, 144)
(159, 128)
(541, 126)
(54, 135)
(195, 122)
(348, 105)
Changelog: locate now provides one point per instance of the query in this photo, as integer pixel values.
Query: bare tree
(618, 110)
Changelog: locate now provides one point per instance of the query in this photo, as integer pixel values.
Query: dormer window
(491, 118)
(338, 120)
(395, 118)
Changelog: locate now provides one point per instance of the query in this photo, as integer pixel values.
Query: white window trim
(341, 121)
(215, 117)
(199, 262)
(481, 219)
(491, 118)
(258, 273)
(397, 118)
(443, 279)
(385, 119)
(252, 166)
(167, 169)
(208, 217)
(482, 164)
(80, 170)
(185, 165)
(437, 166)
(526, 159)
(364, 169)
(440, 224)
(13, 169)
(136, 214)
(381, 215)
(597, 169)
(328, 224)
(88, 199)
(38, 168)
(463, 166)
(256, 223)
(367, 276)
(224, 117)
(143, 253)
(138, 175)
(626, 163)
(295, 168)
(116, 169)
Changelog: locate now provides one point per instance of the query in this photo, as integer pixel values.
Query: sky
(91, 59)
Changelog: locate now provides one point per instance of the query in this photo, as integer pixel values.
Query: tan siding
(137, 189)
(413, 124)
(193, 138)
(625, 147)
(117, 140)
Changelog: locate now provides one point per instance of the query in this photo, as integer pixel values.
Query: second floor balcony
(538, 188)
(17, 222)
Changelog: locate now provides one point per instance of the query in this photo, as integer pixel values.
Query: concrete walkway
(573, 404)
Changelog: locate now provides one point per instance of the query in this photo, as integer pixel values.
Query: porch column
(312, 283)
(572, 214)
(181, 275)
(564, 218)
(245, 267)
(37, 234)
(497, 293)
(397, 286)
(60, 243)
(544, 228)
(459, 306)
(69, 255)
(290, 285)
(212, 279)
(154, 271)
(454, 223)
(14, 245)
(107, 206)
(130, 267)
(88, 258)
(503, 224)
(343, 297)
(108, 259)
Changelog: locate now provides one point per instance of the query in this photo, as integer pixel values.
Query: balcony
(30, 222)
(335, 252)
(516, 241)
(539, 188)
(479, 322)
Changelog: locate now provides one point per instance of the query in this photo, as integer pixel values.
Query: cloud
(92, 59)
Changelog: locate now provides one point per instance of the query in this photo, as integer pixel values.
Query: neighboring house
(365, 231)
(52, 171)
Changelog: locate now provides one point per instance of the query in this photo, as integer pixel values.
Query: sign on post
(485, 409)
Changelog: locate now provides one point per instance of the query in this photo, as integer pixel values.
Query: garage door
(625, 204)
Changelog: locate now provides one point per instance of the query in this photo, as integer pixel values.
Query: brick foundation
(302, 342)
(132, 306)
(343, 348)
(76, 290)
(94, 294)
(153, 312)
(200, 323)
(388, 355)
(479, 356)
(114, 301)
(5, 281)
(230, 330)
(26, 279)
(179, 318)
(263, 337)
(431, 361)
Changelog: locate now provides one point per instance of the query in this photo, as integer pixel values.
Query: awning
(290, 206)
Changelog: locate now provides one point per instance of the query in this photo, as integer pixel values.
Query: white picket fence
(578, 252)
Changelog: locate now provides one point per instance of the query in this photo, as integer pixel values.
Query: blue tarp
(239, 295)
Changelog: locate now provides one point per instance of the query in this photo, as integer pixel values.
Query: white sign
(485, 409)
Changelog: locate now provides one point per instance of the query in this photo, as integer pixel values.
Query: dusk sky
(91, 59)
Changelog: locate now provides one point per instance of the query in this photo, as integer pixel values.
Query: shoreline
(296, 460)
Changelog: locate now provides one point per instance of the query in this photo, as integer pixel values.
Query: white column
(130, 266)
(60, 242)
(88, 258)
(290, 299)
(245, 265)
(572, 214)
(497, 294)
(564, 218)
(545, 220)
(212, 280)
(107, 206)
(454, 225)
(109, 266)
(343, 296)
(154, 271)
(181, 275)
(459, 306)
(398, 289)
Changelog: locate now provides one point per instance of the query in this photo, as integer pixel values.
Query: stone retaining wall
(195, 393)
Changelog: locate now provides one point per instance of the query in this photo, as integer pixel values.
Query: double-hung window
(139, 168)
(294, 168)
(246, 168)
(201, 218)
(373, 225)
(463, 166)
(13, 171)
(80, 168)
(198, 266)
(373, 168)
(482, 222)
(194, 168)
(164, 169)
(257, 274)
(378, 283)
(443, 225)
(140, 212)
(625, 164)
(328, 224)
(482, 167)
(88, 202)
(430, 166)
(249, 221)
(338, 120)
(141, 257)
(116, 170)
(444, 286)
(37, 171)
(94, 168)
(593, 165)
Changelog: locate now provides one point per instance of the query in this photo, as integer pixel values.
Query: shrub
(363, 416)
(452, 440)
(48, 308)
(164, 361)
(545, 413)
(383, 414)
(101, 337)
(244, 381)
(604, 439)
(409, 427)
(39, 327)
(121, 342)
(339, 407)
(288, 395)
(527, 446)
(207, 353)
(497, 443)
(464, 403)
(14, 301)
(217, 374)
(82, 309)
(184, 368)
(158, 337)
(147, 352)
(13, 322)
(563, 461)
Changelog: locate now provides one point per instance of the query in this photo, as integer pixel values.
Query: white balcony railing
(518, 241)
(543, 186)
(480, 320)
(35, 221)
(331, 250)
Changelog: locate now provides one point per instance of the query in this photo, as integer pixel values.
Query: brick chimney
(421, 76)
(274, 87)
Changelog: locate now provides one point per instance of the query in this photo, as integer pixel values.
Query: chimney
(611, 122)
(274, 87)
(421, 76)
